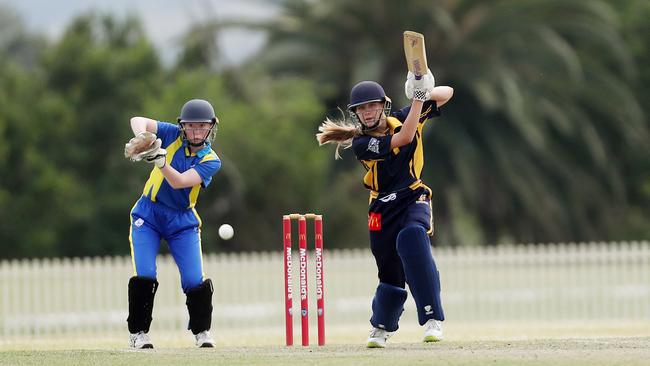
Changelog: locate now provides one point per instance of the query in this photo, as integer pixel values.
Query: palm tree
(532, 147)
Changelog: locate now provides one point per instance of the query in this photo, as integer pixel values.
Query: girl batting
(389, 146)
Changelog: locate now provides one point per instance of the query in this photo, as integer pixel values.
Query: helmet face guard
(198, 110)
(367, 92)
(211, 132)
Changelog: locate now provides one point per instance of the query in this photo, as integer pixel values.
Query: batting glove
(419, 89)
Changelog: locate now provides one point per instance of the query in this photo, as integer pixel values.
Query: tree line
(545, 140)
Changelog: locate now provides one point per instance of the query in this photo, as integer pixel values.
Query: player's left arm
(200, 174)
(178, 180)
(441, 95)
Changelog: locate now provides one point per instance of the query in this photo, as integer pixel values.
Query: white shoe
(433, 331)
(204, 340)
(378, 338)
(140, 340)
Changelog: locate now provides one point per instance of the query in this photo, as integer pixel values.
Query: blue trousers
(151, 222)
(388, 215)
(399, 223)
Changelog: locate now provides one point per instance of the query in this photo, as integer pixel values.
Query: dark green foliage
(546, 138)
(536, 145)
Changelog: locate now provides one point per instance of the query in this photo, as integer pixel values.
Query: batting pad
(387, 306)
(422, 276)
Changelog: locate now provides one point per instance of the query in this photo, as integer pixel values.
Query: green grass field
(514, 344)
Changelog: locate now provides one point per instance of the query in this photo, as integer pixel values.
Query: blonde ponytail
(339, 132)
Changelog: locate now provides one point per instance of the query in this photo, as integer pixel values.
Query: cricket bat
(416, 54)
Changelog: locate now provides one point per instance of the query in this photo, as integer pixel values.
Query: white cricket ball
(226, 232)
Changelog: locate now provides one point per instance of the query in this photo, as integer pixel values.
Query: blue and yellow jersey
(205, 162)
(389, 170)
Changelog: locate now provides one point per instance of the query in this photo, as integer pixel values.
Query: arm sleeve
(209, 166)
(429, 110)
(167, 132)
(371, 148)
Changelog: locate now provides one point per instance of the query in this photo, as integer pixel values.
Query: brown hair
(339, 132)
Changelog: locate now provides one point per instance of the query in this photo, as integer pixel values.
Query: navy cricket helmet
(197, 110)
(367, 92)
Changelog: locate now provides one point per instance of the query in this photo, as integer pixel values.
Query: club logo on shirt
(390, 197)
(138, 222)
(373, 145)
(423, 199)
(374, 221)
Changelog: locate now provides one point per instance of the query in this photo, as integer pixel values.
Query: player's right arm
(143, 124)
(407, 132)
(419, 90)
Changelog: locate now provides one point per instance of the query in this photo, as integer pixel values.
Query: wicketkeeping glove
(157, 157)
(141, 145)
(419, 89)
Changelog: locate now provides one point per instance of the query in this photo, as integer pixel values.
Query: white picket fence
(565, 282)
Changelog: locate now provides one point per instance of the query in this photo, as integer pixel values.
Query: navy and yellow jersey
(205, 162)
(389, 170)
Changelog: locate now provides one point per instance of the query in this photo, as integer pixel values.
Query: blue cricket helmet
(367, 92)
(197, 110)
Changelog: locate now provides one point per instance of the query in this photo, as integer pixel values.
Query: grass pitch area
(530, 344)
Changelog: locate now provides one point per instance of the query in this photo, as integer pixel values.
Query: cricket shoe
(433, 331)
(140, 340)
(204, 340)
(378, 338)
